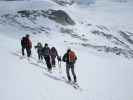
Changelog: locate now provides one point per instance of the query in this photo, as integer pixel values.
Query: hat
(68, 50)
(46, 44)
(27, 35)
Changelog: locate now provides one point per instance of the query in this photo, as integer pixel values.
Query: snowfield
(102, 38)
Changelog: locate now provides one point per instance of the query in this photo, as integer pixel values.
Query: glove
(59, 58)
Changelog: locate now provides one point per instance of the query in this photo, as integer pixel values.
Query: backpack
(29, 43)
(64, 59)
(71, 56)
(25, 42)
(53, 52)
(45, 51)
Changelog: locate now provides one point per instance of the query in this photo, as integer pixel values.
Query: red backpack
(29, 43)
(72, 56)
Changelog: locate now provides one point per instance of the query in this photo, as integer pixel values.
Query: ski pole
(59, 65)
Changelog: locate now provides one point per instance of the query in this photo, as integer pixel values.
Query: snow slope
(102, 75)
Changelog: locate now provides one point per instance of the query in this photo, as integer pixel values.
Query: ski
(76, 86)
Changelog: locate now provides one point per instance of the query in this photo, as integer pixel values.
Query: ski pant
(28, 50)
(48, 63)
(40, 56)
(68, 68)
(53, 60)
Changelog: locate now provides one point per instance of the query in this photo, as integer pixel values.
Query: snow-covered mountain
(80, 1)
(101, 35)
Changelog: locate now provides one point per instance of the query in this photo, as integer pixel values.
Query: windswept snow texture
(101, 36)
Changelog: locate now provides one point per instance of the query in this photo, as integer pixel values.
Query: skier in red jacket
(26, 44)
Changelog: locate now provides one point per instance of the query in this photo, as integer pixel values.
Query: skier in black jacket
(39, 48)
(46, 55)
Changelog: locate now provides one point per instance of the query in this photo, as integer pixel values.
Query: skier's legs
(39, 57)
(73, 73)
(23, 51)
(49, 63)
(47, 59)
(28, 52)
(67, 72)
(53, 61)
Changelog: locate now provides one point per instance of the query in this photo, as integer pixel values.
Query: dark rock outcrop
(58, 16)
(61, 17)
